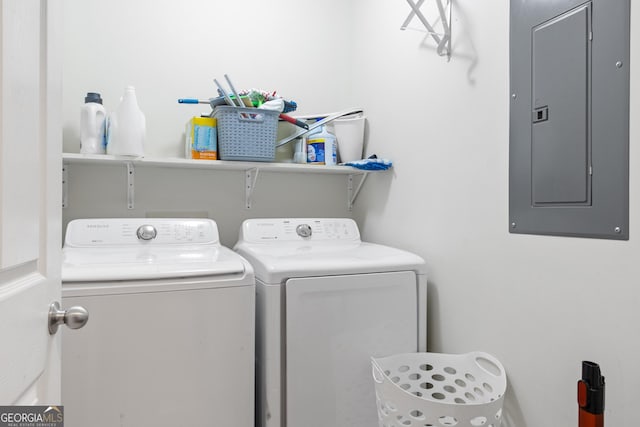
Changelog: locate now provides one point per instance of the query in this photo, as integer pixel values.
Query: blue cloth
(371, 164)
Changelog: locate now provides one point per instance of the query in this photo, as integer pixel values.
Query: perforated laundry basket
(439, 390)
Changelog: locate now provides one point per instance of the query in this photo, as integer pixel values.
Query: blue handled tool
(213, 102)
(192, 101)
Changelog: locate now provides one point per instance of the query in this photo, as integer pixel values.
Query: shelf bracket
(131, 174)
(250, 180)
(65, 185)
(351, 192)
(442, 37)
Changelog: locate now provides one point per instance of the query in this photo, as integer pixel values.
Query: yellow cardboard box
(201, 139)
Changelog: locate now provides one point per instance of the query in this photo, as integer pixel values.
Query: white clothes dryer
(326, 303)
(170, 337)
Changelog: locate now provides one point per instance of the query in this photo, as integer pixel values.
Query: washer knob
(304, 230)
(146, 232)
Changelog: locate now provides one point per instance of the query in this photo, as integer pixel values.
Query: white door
(30, 199)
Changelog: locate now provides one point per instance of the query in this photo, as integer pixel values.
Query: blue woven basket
(247, 134)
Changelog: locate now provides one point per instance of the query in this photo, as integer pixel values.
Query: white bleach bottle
(92, 125)
(321, 147)
(126, 128)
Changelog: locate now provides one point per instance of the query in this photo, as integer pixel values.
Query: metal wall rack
(443, 21)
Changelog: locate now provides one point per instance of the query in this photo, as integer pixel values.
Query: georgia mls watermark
(31, 416)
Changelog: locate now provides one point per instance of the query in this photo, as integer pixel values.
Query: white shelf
(174, 162)
(251, 169)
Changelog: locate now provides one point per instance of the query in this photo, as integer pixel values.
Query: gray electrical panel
(569, 118)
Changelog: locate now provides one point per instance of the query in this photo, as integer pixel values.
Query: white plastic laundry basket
(439, 390)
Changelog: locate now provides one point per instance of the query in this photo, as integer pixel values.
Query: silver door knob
(75, 317)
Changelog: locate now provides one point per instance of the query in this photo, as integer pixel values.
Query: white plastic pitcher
(127, 127)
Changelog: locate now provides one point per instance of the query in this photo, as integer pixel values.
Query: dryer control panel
(299, 229)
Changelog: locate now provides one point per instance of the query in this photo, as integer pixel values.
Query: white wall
(170, 50)
(539, 304)
(174, 49)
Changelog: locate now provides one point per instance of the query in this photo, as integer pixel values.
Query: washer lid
(125, 263)
(145, 248)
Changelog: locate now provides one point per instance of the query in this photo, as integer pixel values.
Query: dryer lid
(274, 263)
(279, 249)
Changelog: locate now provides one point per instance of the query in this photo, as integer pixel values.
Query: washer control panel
(140, 231)
(300, 229)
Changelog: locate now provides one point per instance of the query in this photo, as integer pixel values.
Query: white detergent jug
(321, 148)
(126, 127)
(92, 125)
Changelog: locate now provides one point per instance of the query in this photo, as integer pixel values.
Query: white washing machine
(170, 337)
(325, 303)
